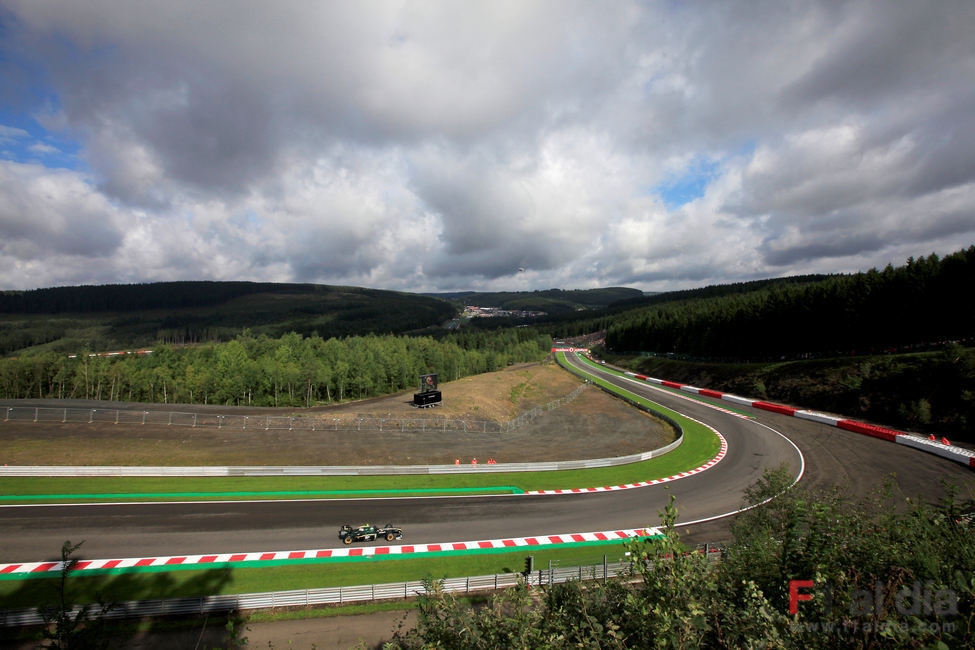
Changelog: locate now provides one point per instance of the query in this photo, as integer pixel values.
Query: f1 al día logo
(908, 600)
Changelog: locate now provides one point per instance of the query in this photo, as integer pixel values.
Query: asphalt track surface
(830, 457)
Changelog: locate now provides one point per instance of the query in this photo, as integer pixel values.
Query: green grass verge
(699, 446)
(16, 594)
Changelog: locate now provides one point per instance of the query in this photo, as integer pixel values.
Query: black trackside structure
(428, 394)
(429, 398)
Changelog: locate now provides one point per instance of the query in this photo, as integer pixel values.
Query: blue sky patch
(24, 140)
(689, 185)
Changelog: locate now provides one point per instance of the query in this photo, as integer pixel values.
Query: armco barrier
(333, 470)
(775, 408)
(952, 452)
(306, 597)
(869, 430)
(332, 595)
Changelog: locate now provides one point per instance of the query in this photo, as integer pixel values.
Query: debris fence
(275, 422)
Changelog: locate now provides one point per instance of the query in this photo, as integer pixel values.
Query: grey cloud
(477, 212)
(946, 151)
(52, 212)
(679, 274)
(447, 145)
(332, 254)
(882, 51)
(216, 93)
(837, 245)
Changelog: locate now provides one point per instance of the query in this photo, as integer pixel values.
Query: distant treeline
(134, 297)
(717, 290)
(66, 319)
(598, 317)
(257, 370)
(927, 301)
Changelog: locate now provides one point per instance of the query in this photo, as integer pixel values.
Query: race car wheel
(390, 537)
(347, 539)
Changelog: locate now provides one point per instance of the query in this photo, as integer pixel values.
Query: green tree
(850, 550)
(65, 625)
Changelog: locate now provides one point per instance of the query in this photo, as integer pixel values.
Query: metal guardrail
(335, 595)
(333, 470)
(295, 598)
(325, 596)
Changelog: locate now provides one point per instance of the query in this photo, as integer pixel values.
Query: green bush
(882, 572)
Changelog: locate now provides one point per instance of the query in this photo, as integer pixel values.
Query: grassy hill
(69, 319)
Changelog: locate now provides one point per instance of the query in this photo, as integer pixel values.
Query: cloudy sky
(439, 146)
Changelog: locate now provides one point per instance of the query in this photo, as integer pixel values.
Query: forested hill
(155, 295)
(69, 319)
(716, 290)
(551, 301)
(925, 302)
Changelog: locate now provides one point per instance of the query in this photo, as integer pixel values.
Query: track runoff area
(115, 566)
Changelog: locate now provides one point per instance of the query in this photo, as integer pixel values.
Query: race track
(831, 457)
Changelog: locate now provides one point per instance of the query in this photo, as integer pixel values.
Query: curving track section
(756, 440)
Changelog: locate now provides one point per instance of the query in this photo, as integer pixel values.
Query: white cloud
(43, 149)
(11, 133)
(429, 145)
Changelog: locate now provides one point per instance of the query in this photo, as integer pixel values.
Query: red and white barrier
(949, 451)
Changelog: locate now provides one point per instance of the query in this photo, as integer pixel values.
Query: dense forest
(292, 370)
(598, 316)
(923, 303)
(132, 297)
(67, 319)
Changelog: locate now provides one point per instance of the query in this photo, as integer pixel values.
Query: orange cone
(457, 461)
(931, 437)
(944, 441)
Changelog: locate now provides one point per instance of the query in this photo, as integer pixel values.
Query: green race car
(369, 533)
